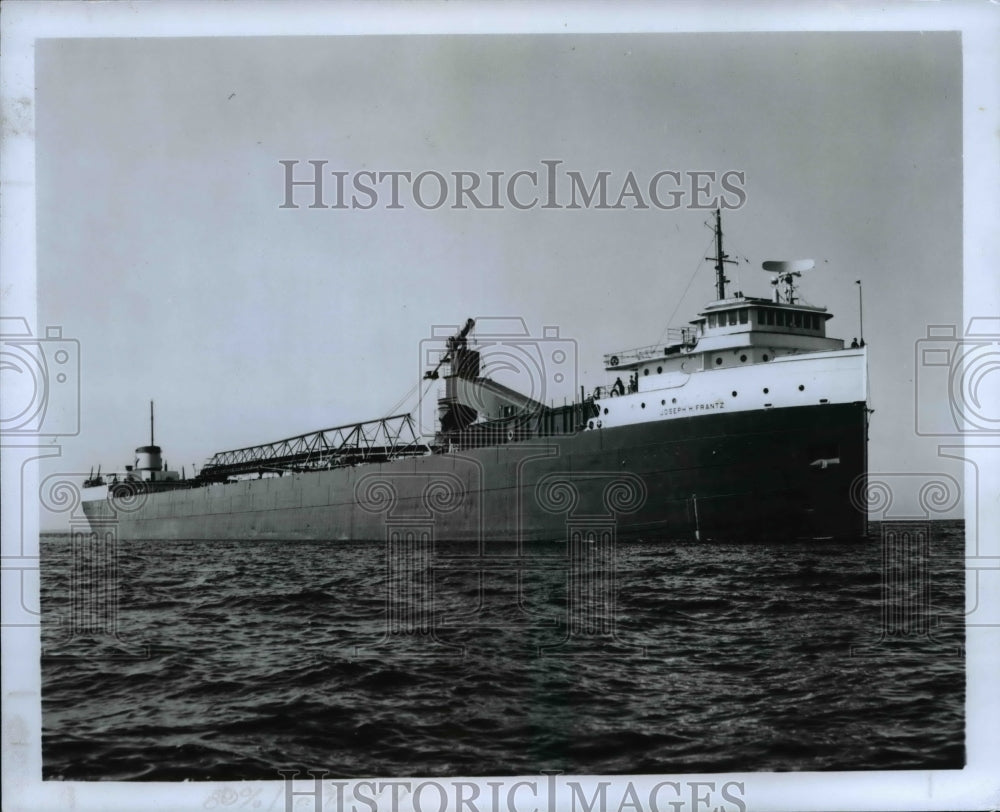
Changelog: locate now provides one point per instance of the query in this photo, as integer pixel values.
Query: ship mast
(720, 258)
(151, 440)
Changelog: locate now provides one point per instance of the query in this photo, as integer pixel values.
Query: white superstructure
(741, 354)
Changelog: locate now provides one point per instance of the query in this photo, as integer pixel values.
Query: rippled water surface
(237, 659)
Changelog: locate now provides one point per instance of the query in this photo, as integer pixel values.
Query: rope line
(687, 287)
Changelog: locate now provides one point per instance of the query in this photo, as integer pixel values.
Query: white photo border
(975, 787)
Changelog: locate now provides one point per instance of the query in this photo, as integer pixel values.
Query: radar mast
(720, 259)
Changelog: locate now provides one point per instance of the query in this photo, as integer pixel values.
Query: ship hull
(760, 475)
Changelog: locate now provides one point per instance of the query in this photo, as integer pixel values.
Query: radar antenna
(785, 273)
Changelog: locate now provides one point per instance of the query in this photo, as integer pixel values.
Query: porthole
(643, 405)
(734, 393)
(766, 357)
(645, 371)
(606, 408)
(659, 370)
(801, 388)
(743, 359)
(663, 402)
(591, 424)
(718, 361)
(766, 390)
(673, 400)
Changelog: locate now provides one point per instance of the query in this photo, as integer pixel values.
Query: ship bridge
(734, 329)
(732, 335)
(758, 329)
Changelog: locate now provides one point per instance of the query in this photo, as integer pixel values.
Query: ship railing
(119, 477)
(548, 422)
(112, 478)
(677, 337)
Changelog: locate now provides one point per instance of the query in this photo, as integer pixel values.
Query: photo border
(974, 787)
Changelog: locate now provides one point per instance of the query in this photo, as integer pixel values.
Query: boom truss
(373, 441)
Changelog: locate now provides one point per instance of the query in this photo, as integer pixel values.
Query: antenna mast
(720, 258)
(861, 314)
(151, 440)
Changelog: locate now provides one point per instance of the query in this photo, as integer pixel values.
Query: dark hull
(737, 476)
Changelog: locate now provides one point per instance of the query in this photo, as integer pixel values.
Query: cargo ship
(748, 423)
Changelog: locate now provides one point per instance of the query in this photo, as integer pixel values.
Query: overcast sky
(163, 247)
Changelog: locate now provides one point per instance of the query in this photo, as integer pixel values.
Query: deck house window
(732, 317)
(743, 315)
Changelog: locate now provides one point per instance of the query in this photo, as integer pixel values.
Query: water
(235, 660)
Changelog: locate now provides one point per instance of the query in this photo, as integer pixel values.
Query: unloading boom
(372, 441)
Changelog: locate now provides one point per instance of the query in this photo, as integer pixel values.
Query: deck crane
(456, 344)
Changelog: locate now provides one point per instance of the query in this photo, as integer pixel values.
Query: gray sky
(162, 246)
